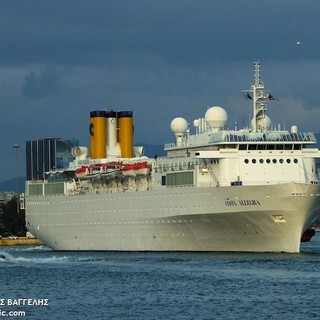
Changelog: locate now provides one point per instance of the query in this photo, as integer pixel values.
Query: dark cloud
(161, 59)
(104, 33)
(38, 85)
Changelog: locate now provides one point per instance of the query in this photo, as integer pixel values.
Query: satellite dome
(216, 117)
(179, 125)
(294, 129)
(263, 123)
(196, 123)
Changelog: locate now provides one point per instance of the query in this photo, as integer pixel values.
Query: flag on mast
(271, 97)
(247, 96)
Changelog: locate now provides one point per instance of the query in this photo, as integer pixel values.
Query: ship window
(35, 189)
(246, 161)
(288, 147)
(254, 160)
(261, 147)
(163, 180)
(279, 147)
(252, 147)
(274, 160)
(261, 160)
(242, 147)
(54, 188)
(179, 178)
(190, 166)
(270, 147)
(288, 160)
(297, 147)
(281, 160)
(268, 160)
(295, 160)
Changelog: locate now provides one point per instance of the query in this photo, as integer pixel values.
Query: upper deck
(210, 132)
(243, 137)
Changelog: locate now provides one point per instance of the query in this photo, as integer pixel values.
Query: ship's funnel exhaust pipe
(112, 138)
(97, 134)
(125, 125)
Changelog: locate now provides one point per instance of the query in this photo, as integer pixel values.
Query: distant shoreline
(22, 241)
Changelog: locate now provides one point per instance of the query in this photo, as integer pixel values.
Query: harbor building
(47, 154)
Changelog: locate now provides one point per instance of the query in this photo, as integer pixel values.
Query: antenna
(260, 121)
(257, 79)
(258, 99)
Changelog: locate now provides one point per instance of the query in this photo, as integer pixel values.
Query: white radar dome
(216, 117)
(196, 123)
(179, 125)
(263, 123)
(294, 129)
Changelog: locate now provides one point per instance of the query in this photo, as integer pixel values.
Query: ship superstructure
(253, 189)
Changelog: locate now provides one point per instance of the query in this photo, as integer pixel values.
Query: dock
(22, 241)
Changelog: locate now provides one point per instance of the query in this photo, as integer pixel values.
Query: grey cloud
(38, 85)
(160, 59)
(104, 33)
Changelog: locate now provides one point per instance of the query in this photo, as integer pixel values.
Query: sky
(61, 59)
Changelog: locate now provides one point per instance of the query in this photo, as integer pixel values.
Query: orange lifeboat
(88, 172)
(142, 168)
(109, 170)
(128, 170)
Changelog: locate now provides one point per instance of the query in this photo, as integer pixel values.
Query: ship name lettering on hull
(234, 203)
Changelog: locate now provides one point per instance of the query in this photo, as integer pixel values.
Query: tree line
(12, 220)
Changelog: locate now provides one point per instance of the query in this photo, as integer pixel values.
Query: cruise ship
(254, 189)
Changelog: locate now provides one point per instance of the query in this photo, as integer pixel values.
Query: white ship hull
(255, 189)
(247, 218)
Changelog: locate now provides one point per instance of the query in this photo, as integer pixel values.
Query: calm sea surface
(60, 285)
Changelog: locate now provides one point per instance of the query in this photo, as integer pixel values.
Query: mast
(259, 99)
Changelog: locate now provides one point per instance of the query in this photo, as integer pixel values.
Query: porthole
(261, 160)
(254, 160)
(295, 160)
(268, 160)
(246, 161)
(274, 160)
(288, 160)
(281, 160)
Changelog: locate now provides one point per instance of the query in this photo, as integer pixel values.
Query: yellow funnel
(125, 125)
(97, 134)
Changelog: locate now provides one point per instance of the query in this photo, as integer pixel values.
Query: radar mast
(260, 121)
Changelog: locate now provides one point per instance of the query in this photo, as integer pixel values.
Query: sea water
(37, 283)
